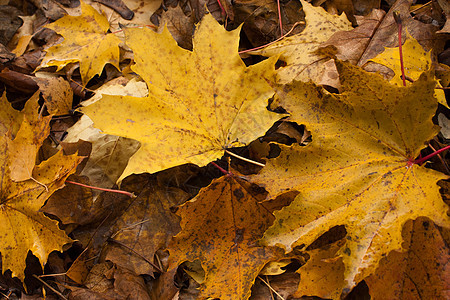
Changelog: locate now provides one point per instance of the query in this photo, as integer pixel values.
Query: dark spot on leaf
(347, 251)
(238, 194)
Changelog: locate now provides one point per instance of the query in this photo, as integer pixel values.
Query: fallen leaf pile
(187, 160)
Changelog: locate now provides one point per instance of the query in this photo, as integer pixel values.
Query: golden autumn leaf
(33, 130)
(10, 119)
(358, 171)
(323, 274)
(415, 60)
(22, 226)
(85, 41)
(298, 51)
(220, 227)
(419, 272)
(199, 102)
(57, 94)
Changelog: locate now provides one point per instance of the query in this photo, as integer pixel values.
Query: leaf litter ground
(358, 171)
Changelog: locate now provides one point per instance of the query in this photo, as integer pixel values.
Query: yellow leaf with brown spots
(221, 227)
(200, 102)
(298, 50)
(359, 169)
(22, 226)
(415, 60)
(85, 41)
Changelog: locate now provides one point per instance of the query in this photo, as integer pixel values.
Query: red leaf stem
(131, 195)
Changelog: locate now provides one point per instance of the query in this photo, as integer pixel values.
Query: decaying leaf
(358, 171)
(386, 33)
(199, 102)
(57, 93)
(110, 153)
(298, 51)
(85, 41)
(351, 44)
(420, 272)
(180, 26)
(22, 226)
(223, 235)
(146, 226)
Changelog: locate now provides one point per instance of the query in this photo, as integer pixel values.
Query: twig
(271, 292)
(245, 159)
(40, 183)
(50, 287)
(271, 288)
(51, 275)
(420, 7)
(440, 158)
(131, 195)
(129, 227)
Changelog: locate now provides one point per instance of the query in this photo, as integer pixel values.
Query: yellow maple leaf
(33, 130)
(22, 226)
(358, 171)
(85, 41)
(223, 236)
(298, 50)
(415, 60)
(199, 102)
(10, 119)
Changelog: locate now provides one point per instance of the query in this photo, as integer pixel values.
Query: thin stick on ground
(440, 158)
(271, 288)
(50, 287)
(245, 159)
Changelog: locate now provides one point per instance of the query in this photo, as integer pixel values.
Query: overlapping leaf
(22, 226)
(358, 170)
(223, 236)
(85, 41)
(199, 102)
(146, 226)
(420, 272)
(416, 60)
(298, 51)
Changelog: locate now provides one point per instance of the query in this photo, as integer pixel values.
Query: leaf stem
(131, 195)
(279, 17)
(425, 158)
(221, 169)
(224, 13)
(398, 20)
(245, 159)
